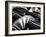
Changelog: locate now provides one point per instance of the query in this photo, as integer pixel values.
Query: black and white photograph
(24, 18)
(27, 18)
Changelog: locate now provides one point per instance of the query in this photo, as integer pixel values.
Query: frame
(8, 17)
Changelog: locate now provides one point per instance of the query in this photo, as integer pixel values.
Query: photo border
(6, 18)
